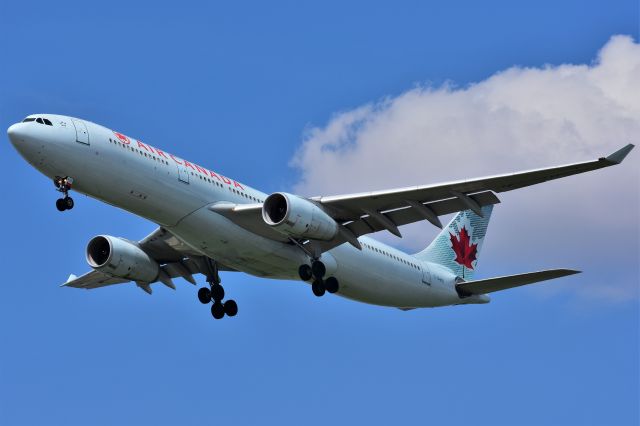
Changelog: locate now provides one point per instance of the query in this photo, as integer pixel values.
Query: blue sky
(237, 88)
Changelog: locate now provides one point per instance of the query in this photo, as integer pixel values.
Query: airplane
(208, 223)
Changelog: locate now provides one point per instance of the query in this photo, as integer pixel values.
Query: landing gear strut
(215, 293)
(63, 184)
(316, 272)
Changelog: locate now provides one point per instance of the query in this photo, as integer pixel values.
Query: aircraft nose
(16, 133)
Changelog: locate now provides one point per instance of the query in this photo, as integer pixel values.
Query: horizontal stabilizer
(490, 285)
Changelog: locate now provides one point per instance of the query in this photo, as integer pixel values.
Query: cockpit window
(38, 120)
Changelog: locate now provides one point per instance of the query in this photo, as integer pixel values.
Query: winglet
(620, 154)
(71, 278)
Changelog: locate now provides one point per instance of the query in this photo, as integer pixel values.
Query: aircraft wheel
(204, 295)
(217, 310)
(318, 288)
(318, 269)
(230, 308)
(61, 205)
(69, 203)
(305, 272)
(217, 292)
(331, 284)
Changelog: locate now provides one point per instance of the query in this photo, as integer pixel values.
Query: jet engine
(294, 216)
(121, 258)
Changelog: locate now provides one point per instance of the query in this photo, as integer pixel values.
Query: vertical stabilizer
(458, 245)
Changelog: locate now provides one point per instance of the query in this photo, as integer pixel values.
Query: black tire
(318, 288)
(230, 308)
(61, 205)
(69, 203)
(217, 310)
(204, 295)
(318, 269)
(217, 292)
(305, 272)
(331, 284)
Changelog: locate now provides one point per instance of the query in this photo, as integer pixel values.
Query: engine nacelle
(297, 217)
(121, 258)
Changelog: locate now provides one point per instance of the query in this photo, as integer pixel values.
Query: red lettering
(174, 159)
(162, 153)
(141, 145)
(201, 170)
(214, 175)
(237, 185)
(188, 164)
(226, 180)
(123, 138)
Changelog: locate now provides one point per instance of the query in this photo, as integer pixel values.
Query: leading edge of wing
(497, 183)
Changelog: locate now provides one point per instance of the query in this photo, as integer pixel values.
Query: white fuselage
(176, 194)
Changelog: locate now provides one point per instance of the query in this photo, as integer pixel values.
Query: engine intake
(121, 258)
(297, 217)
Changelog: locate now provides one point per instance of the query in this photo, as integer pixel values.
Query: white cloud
(518, 118)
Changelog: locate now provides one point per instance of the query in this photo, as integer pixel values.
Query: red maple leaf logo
(465, 252)
(122, 137)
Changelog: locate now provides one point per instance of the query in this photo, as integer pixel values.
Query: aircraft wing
(490, 285)
(175, 258)
(368, 212)
(92, 279)
(354, 206)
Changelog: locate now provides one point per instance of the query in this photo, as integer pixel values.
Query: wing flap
(490, 285)
(408, 215)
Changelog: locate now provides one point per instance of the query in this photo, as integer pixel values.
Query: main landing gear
(63, 184)
(215, 293)
(316, 272)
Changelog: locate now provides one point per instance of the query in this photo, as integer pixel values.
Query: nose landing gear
(215, 293)
(63, 184)
(316, 271)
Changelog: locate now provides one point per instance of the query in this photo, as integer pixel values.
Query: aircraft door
(183, 173)
(82, 134)
(426, 274)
